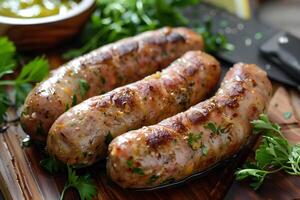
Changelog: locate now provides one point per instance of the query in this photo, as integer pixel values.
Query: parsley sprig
(32, 72)
(273, 155)
(83, 184)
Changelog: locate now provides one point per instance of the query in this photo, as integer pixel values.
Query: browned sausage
(193, 140)
(78, 136)
(102, 70)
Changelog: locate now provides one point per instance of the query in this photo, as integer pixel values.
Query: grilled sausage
(193, 140)
(102, 70)
(81, 135)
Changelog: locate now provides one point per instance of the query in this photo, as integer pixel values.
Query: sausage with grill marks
(193, 140)
(80, 136)
(102, 70)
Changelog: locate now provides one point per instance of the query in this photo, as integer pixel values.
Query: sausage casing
(193, 140)
(80, 136)
(102, 70)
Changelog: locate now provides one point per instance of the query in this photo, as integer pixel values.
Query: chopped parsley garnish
(152, 179)
(83, 87)
(134, 169)
(74, 100)
(216, 130)
(67, 107)
(194, 140)
(204, 149)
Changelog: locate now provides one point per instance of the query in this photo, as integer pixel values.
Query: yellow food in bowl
(35, 8)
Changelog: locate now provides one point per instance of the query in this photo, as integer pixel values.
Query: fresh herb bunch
(116, 19)
(273, 155)
(32, 72)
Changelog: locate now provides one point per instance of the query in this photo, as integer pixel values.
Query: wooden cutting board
(21, 176)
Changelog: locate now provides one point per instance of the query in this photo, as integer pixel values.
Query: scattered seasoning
(67, 107)
(193, 140)
(135, 170)
(108, 138)
(152, 179)
(258, 36)
(287, 115)
(204, 150)
(26, 142)
(83, 87)
(74, 100)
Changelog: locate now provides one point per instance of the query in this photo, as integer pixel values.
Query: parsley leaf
(216, 130)
(83, 184)
(31, 73)
(134, 169)
(193, 140)
(83, 87)
(274, 154)
(7, 54)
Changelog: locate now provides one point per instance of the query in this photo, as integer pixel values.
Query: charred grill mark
(175, 124)
(175, 37)
(236, 90)
(127, 47)
(104, 56)
(123, 98)
(158, 137)
(158, 40)
(190, 71)
(196, 116)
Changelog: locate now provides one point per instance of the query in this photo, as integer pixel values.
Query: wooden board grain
(21, 176)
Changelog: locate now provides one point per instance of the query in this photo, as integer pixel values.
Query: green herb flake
(194, 140)
(83, 87)
(134, 169)
(204, 150)
(152, 179)
(67, 107)
(287, 115)
(74, 100)
(217, 130)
